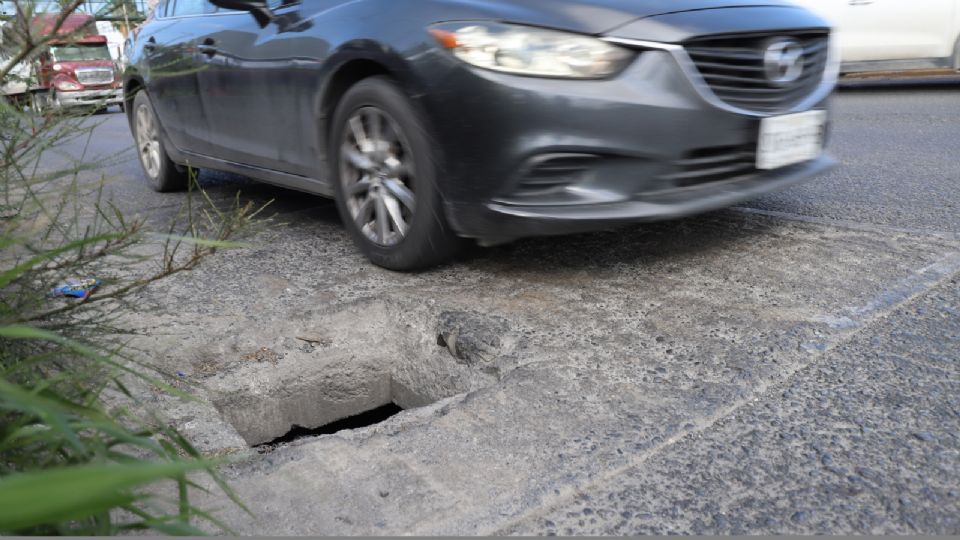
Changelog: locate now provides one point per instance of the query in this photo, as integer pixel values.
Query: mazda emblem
(783, 61)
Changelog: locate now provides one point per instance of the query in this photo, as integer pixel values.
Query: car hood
(593, 16)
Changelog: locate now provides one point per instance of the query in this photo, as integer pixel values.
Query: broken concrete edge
(392, 358)
(249, 460)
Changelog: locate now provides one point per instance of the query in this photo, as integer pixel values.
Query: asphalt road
(899, 152)
(789, 366)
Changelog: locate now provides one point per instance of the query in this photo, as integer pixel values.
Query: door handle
(150, 45)
(207, 48)
(860, 2)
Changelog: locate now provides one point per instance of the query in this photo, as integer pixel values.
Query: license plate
(789, 139)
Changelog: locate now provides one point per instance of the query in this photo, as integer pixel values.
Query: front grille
(733, 67)
(709, 165)
(93, 77)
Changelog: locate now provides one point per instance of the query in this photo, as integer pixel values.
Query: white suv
(889, 35)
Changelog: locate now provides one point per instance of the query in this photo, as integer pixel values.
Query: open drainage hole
(362, 420)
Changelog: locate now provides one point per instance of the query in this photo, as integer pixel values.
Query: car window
(165, 9)
(183, 8)
(78, 52)
(278, 4)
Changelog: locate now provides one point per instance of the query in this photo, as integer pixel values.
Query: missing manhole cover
(382, 356)
(362, 420)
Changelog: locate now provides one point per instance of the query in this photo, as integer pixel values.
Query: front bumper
(497, 221)
(87, 98)
(621, 146)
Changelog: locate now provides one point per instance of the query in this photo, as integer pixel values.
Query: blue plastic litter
(75, 288)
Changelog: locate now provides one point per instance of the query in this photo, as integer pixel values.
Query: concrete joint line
(847, 224)
(910, 287)
(904, 292)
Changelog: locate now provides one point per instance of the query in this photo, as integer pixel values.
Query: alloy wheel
(377, 172)
(148, 141)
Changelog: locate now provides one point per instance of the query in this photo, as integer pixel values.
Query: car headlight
(65, 85)
(537, 52)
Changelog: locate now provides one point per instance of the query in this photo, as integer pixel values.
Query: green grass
(80, 454)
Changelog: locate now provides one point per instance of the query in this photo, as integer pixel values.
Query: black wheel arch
(352, 63)
(131, 85)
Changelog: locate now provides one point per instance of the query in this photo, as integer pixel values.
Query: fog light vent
(709, 165)
(553, 172)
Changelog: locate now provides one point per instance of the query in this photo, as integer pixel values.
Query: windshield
(73, 53)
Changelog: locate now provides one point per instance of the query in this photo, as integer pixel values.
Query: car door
(259, 85)
(169, 46)
(877, 30)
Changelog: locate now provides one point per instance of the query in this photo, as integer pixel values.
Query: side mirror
(257, 8)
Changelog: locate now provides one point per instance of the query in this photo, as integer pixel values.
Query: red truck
(76, 70)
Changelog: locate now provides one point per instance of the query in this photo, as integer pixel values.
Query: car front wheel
(41, 101)
(385, 169)
(162, 174)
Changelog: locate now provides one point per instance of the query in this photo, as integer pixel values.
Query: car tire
(385, 170)
(37, 102)
(42, 101)
(163, 175)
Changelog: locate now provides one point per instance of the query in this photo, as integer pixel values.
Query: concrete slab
(862, 441)
(617, 345)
